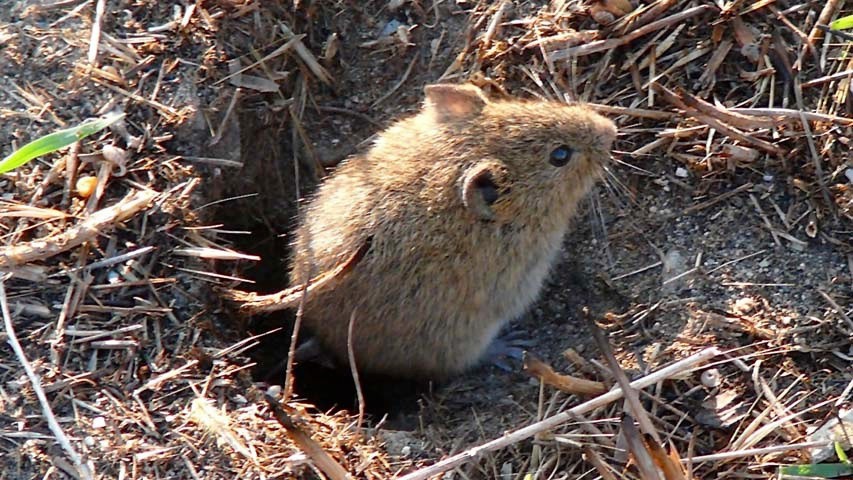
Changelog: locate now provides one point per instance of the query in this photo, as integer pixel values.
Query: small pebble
(681, 172)
(390, 28)
(744, 305)
(85, 186)
(711, 378)
(99, 422)
(274, 390)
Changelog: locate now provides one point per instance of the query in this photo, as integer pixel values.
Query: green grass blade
(842, 23)
(56, 140)
(820, 470)
(842, 455)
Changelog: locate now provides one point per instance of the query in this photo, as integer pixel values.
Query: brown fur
(442, 275)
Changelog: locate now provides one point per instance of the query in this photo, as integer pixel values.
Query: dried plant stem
(88, 229)
(749, 452)
(398, 84)
(631, 396)
(611, 43)
(546, 374)
(354, 369)
(303, 440)
(838, 309)
(494, 25)
(718, 199)
(294, 338)
(681, 102)
(829, 9)
(253, 303)
(306, 56)
(817, 159)
(560, 418)
(83, 469)
(602, 467)
(95, 38)
(794, 114)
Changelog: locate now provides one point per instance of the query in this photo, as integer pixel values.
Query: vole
(460, 210)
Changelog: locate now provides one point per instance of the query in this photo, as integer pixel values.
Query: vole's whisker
(615, 194)
(616, 186)
(631, 166)
(598, 213)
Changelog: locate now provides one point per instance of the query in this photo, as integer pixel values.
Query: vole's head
(528, 158)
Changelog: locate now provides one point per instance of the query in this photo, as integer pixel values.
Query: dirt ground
(718, 227)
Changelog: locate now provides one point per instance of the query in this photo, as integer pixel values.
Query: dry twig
(566, 383)
(83, 469)
(611, 43)
(88, 229)
(321, 458)
(252, 303)
(560, 418)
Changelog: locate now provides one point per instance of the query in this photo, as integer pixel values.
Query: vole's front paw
(506, 351)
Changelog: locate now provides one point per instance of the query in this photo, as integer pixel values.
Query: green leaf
(842, 23)
(820, 470)
(842, 455)
(56, 140)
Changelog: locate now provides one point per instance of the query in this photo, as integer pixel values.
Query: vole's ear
(455, 102)
(482, 186)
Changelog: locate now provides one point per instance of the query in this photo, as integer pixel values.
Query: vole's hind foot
(312, 352)
(506, 351)
(309, 352)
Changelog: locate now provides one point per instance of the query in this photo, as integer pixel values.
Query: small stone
(601, 16)
(99, 422)
(711, 378)
(274, 390)
(744, 305)
(681, 172)
(85, 186)
(835, 430)
(390, 28)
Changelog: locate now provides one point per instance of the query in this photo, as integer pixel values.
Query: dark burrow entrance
(262, 202)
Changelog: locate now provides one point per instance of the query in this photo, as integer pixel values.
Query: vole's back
(461, 235)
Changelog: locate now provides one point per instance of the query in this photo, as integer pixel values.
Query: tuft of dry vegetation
(726, 223)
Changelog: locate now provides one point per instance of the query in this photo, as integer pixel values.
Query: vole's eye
(561, 155)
